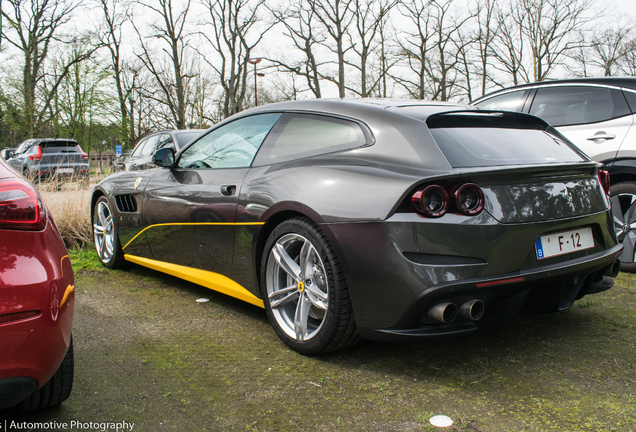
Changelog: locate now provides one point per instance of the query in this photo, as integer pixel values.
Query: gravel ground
(146, 353)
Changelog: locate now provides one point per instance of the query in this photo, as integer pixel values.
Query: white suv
(596, 114)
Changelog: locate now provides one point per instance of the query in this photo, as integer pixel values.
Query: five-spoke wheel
(105, 235)
(304, 289)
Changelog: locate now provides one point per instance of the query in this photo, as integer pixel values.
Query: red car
(36, 300)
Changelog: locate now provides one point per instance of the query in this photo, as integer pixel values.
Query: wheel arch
(97, 194)
(622, 170)
(277, 215)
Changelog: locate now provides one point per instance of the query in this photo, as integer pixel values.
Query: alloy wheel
(297, 287)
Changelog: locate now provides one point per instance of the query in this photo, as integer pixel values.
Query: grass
(70, 208)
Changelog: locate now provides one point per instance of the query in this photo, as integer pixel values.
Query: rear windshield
(59, 147)
(480, 141)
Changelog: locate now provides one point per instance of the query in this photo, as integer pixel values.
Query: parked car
(58, 159)
(6, 153)
(370, 219)
(596, 114)
(141, 156)
(36, 300)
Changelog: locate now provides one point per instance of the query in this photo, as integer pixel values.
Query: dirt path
(147, 353)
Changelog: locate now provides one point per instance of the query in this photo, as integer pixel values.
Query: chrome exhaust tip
(472, 309)
(444, 312)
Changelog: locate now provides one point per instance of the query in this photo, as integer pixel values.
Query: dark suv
(598, 115)
(141, 156)
(57, 159)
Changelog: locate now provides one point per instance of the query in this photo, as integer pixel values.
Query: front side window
(303, 135)
(232, 145)
(150, 146)
(511, 101)
(165, 141)
(574, 105)
(137, 151)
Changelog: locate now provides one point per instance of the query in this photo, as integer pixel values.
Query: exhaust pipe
(472, 309)
(613, 269)
(444, 312)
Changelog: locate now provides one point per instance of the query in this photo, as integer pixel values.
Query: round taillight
(432, 201)
(469, 199)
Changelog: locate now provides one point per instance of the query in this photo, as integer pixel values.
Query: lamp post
(256, 75)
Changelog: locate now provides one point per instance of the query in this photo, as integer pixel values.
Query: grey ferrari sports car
(374, 219)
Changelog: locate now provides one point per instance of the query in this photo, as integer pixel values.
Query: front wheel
(304, 290)
(105, 235)
(623, 200)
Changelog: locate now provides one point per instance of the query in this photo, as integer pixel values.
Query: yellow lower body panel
(208, 279)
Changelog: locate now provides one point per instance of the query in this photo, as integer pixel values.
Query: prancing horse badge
(137, 182)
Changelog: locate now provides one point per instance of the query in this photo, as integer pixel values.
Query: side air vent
(126, 203)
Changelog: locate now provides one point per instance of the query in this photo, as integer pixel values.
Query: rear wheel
(105, 235)
(56, 390)
(304, 290)
(623, 199)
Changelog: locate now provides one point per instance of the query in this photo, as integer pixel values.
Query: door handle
(228, 190)
(601, 136)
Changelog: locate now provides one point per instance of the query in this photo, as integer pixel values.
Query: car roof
(624, 82)
(360, 108)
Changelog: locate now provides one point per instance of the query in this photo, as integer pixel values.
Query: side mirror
(164, 157)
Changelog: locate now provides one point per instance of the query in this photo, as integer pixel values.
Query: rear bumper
(552, 289)
(37, 281)
(398, 270)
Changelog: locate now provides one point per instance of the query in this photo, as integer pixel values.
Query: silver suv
(596, 114)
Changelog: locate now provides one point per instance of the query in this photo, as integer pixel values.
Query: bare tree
(415, 47)
(335, 16)
(172, 75)
(233, 39)
(484, 38)
(369, 16)
(608, 48)
(300, 26)
(434, 49)
(548, 27)
(508, 47)
(115, 14)
(33, 27)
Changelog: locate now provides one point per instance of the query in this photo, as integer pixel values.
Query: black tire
(327, 327)
(56, 390)
(623, 200)
(105, 235)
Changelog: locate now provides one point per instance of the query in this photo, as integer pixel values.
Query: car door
(595, 118)
(190, 209)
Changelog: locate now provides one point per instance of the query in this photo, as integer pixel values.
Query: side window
(232, 145)
(511, 101)
(574, 105)
(165, 141)
(631, 99)
(137, 151)
(297, 136)
(150, 146)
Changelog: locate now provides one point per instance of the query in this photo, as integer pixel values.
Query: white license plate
(65, 170)
(563, 243)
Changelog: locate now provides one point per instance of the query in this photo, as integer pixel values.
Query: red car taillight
(604, 179)
(435, 201)
(20, 206)
(38, 155)
(432, 201)
(469, 199)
